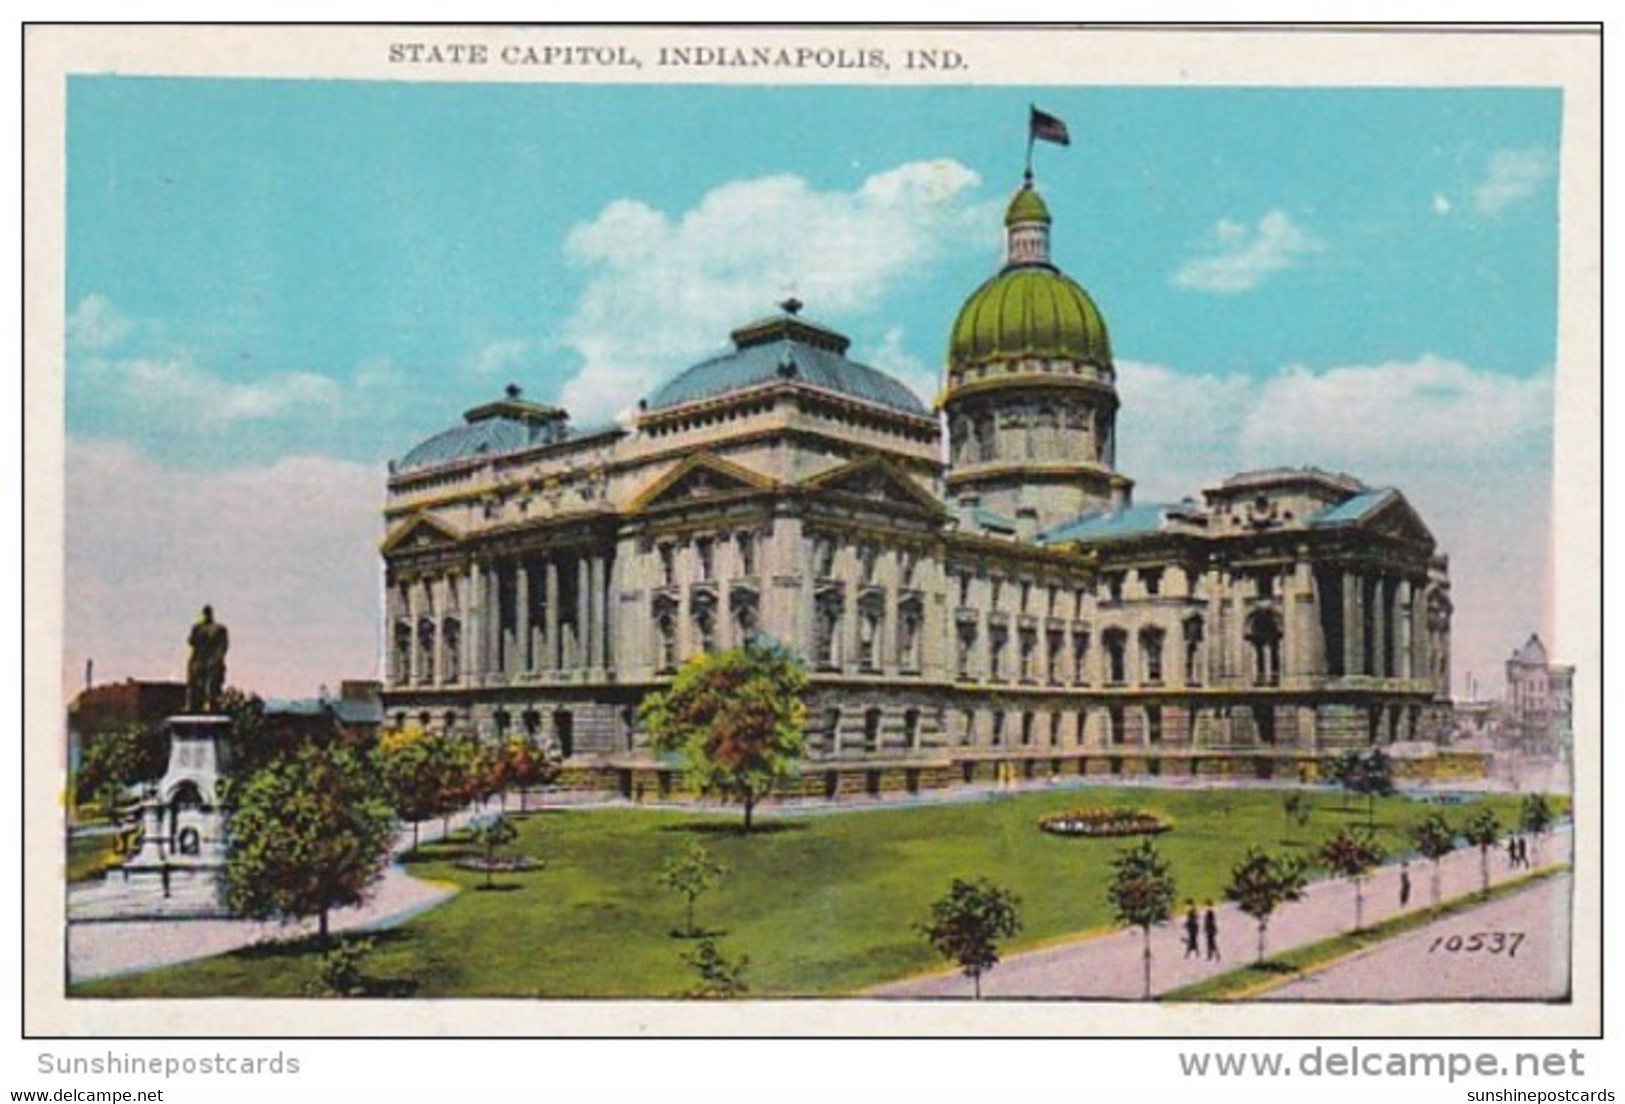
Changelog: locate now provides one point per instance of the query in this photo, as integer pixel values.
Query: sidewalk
(1111, 967)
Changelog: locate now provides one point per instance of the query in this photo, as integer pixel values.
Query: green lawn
(823, 904)
(88, 856)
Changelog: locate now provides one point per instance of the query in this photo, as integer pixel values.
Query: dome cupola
(1031, 397)
(1029, 308)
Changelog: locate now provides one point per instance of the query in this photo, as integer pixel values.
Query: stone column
(1353, 624)
(465, 610)
(595, 614)
(612, 611)
(1420, 642)
(474, 623)
(583, 610)
(441, 606)
(414, 666)
(550, 647)
(1402, 629)
(495, 660)
(1379, 627)
(525, 661)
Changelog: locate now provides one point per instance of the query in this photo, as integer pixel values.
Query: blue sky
(273, 287)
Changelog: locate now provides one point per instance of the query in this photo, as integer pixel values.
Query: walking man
(1193, 930)
(1404, 884)
(1210, 928)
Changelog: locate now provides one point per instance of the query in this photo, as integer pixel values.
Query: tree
(1483, 830)
(1342, 770)
(1370, 774)
(736, 717)
(1262, 883)
(1435, 839)
(310, 832)
(1353, 853)
(967, 924)
(413, 768)
(720, 979)
(113, 760)
(490, 837)
(1142, 894)
(1535, 817)
(525, 765)
(691, 872)
(1296, 807)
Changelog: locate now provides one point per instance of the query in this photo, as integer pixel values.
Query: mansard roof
(792, 350)
(494, 428)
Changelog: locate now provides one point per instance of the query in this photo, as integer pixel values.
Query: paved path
(111, 948)
(1110, 966)
(1522, 953)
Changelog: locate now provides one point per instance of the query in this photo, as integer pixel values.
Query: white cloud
(287, 554)
(497, 356)
(1514, 174)
(664, 290)
(1396, 416)
(1441, 204)
(1239, 258)
(174, 389)
(95, 325)
(1178, 432)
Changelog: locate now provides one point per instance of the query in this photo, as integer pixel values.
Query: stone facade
(976, 594)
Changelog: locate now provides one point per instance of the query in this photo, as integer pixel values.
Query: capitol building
(974, 589)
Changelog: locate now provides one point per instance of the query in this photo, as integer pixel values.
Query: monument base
(179, 869)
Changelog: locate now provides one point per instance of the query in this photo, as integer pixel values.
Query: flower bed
(501, 864)
(1100, 823)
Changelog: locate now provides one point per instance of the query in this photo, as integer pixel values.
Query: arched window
(1116, 642)
(451, 635)
(1151, 654)
(1264, 635)
(1192, 633)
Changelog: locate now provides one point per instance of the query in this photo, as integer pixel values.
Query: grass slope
(823, 904)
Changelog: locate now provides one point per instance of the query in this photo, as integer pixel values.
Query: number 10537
(1495, 942)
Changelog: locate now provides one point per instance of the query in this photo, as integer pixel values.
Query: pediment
(878, 481)
(699, 477)
(1397, 519)
(420, 533)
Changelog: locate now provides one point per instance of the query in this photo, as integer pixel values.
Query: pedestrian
(1193, 930)
(1404, 884)
(1512, 852)
(1210, 928)
(1523, 852)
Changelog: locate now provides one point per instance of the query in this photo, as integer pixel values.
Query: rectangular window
(747, 553)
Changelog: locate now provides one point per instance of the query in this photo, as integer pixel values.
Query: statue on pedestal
(206, 669)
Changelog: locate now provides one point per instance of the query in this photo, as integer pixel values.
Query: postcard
(803, 531)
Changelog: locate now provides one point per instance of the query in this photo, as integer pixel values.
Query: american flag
(1047, 128)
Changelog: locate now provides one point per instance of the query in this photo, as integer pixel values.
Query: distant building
(116, 704)
(973, 588)
(356, 715)
(1539, 716)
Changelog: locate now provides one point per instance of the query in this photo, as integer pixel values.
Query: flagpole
(1028, 175)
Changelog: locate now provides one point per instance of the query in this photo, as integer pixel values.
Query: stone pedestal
(179, 868)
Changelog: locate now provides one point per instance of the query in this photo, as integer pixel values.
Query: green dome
(1029, 310)
(1026, 206)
